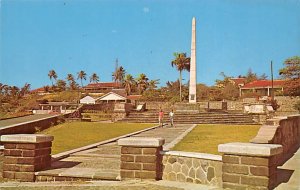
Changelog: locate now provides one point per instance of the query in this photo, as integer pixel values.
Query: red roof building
(102, 86)
(262, 87)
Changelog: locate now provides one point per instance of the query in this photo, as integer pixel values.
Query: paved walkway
(103, 162)
(289, 174)
(18, 120)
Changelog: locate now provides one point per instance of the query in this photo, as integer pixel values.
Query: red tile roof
(104, 85)
(264, 84)
(42, 89)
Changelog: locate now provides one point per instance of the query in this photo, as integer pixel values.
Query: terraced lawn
(205, 138)
(71, 135)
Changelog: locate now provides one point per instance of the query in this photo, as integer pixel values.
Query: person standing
(171, 115)
(160, 118)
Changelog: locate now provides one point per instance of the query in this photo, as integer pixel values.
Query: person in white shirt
(171, 115)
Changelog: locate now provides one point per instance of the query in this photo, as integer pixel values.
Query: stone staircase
(151, 116)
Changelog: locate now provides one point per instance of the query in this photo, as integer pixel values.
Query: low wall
(281, 130)
(31, 126)
(192, 167)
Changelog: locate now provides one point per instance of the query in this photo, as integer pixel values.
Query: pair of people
(161, 117)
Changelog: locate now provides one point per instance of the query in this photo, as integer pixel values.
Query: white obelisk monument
(193, 79)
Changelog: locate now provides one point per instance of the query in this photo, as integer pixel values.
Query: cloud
(146, 10)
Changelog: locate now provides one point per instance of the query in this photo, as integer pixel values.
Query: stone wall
(281, 130)
(286, 105)
(192, 167)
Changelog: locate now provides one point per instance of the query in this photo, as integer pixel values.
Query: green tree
(142, 83)
(119, 74)
(81, 75)
(291, 72)
(181, 62)
(52, 75)
(94, 78)
(72, 83)
(129, 83)
(153, 84)
(61, 85)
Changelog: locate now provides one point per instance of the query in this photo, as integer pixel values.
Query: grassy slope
(206, 138)
(72, 135)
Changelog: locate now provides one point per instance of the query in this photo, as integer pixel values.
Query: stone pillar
(141, 158)
(249, 166)
(25, 154)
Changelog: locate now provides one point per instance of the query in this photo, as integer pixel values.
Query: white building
(88, 100)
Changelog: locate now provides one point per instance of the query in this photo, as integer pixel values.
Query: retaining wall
(197, 168)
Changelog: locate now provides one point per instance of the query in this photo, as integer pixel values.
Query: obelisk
(193, 79)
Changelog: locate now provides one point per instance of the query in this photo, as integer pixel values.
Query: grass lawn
(71, 135)
(206, 138)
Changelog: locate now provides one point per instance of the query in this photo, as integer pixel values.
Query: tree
(129, 83)
(142, 83)
(81, 75)
(119, 74)
(153, 84)
(52, 74)
(250, 76)
(61, 85)
(181, 62)
(291, 72)
(94, 78)
(72, 83)
(25, 89)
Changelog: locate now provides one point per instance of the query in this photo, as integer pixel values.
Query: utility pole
(272, 90)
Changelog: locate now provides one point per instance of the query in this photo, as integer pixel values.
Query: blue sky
(69, 36)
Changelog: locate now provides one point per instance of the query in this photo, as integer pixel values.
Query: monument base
(187, 108)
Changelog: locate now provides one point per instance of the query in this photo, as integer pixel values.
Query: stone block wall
(249, 166)
(24, 155)
(192, 167)
(141, 158)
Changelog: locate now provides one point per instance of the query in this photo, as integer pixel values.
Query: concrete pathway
(103, 162)
(289, 175)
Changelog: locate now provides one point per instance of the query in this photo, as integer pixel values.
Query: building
(102, 86)
(262, 87)
(88, 100)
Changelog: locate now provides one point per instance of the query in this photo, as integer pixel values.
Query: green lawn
(206, 138)
(71, 135)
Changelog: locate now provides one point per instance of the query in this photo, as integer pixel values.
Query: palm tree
(52, 74)
(129, 83)
(25, 89)
(94, 78)
(142, 82)
(181, 62)
(153, 84)
(119, 74)
(72, 83)
(81, 75)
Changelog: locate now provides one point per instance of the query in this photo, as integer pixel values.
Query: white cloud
(146, 9)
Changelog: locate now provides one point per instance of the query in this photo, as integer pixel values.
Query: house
(238, 81)
(262, 87)
(102, 86)
(113, 97)
(88, 100)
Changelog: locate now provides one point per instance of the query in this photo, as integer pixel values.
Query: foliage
(206, 138)
(129, 84)
(81, 75)
(73, 135)
(68, 96)
(142, 83)
(227, 89)
(181, 62)
(94, 78)
(119, 74)
(72, 83)
(291, 72)
(251, 76)
(61, 85)
(297, 106)
(52, 74)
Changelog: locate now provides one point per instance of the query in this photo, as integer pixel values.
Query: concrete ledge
(250, 149)
(27, 138)
(193, 155)
(141, 142)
